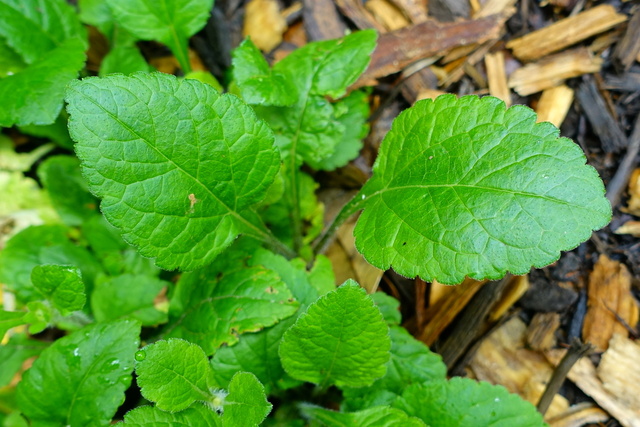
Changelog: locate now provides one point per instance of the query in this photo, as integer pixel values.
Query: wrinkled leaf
(464, 187)
(371, 417)
(196, 416)
(246, 404)
(60, 284)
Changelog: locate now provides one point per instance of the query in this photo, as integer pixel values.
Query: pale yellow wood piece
(554, 104)
(497, 76)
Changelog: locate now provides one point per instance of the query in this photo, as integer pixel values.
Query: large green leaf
(171, 22)
(14, 353)
(174, 374)
(178, 166)
(195, 416)
(463, 402)
(341, 339)
(52, 51)
(80, 380)
(464, 187)
(370, 417)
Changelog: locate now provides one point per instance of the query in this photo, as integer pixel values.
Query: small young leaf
(463, 402)
(174, 374)
(10, 319)
(182, 206)
(411, 362)
(246, 404)
(128, 295)
(196, 416)
(341, 339)
(171, 22)
(81, 378)
(46, 244)
(259, 84)
(52, 54)
(370, 417)
(14, 353)
(464, 187)
(60, 284)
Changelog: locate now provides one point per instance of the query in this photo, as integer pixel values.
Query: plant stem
(180, 49)
(353, 206)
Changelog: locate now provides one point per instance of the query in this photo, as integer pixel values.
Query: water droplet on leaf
(140, 355)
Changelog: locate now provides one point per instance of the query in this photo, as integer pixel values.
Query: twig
(621, 178)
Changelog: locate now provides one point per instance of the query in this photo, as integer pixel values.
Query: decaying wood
(553, 71)
(628, 49)
(622, 175)
(579, 415)
(397, 49)
(516, 288)
(442, 312)
(321, 20)
(602, 121)
(387, 14)
(472, 323)
(264, 23)
(583, 374)
(497, 77)
(493, 7)
(554, 104)
(503, 358)
(456, 69)
(414, 9)
(633, 204)
(629, 82)
(619, 371)
(566, 32)
(359, 15)
(541, 333)
(609, 299)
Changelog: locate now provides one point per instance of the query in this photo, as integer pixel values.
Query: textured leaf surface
(174, 374)
(463, 187)
(60, 284)
(52, 51)
(67, 189)
(411, 362)
(246, 404)
(128, 295)
(389, 307)
(463, 402)
(341, 339)
(177, 165)
(312, 129)
(81, 379)
(210, 312)
(371, 417)
(171, 22)
(46, 244)
(196, 416)
(13, 354)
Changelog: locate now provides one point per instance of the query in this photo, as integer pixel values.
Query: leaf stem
(353, 206)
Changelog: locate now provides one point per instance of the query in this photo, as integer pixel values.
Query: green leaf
(128, 296)
(183, 206)
(259, 84)
(174, 374)
(81, 378)
(196, 416)
(123, 59)
(246, 404)
(371, 417)
(46, 244)
(38, 317)
(211, 311)
(313, 128)
(56, 131)
(12, 161)
(10, 319)
(341, 339)
(53, 52)
(60, 284)
(13, 354)
(97, 14)
(171, 22)
(67, 189)
(389, 307)
(411, 362)
(464, 187)
(205, 77)
(463, 402)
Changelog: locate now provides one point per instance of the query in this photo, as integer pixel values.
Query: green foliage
(190, 179)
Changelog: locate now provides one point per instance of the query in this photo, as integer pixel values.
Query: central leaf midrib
(197, 181)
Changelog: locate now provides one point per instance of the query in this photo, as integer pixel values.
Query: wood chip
(566, 32)
(321, 20)
(619, 371)
(493, 7)
(516, 287)
(554, 104)
(579, 415)
(415, 10)
(387, 14)
(553, 71)
(628, 49)
(583, 374)
(397, 49)
(609, 304)
(633, 205)
(359, 15)
(440, 314)
(503, 358)
(629, 227)
(541, 333)
(497, 76)
(264, 23)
